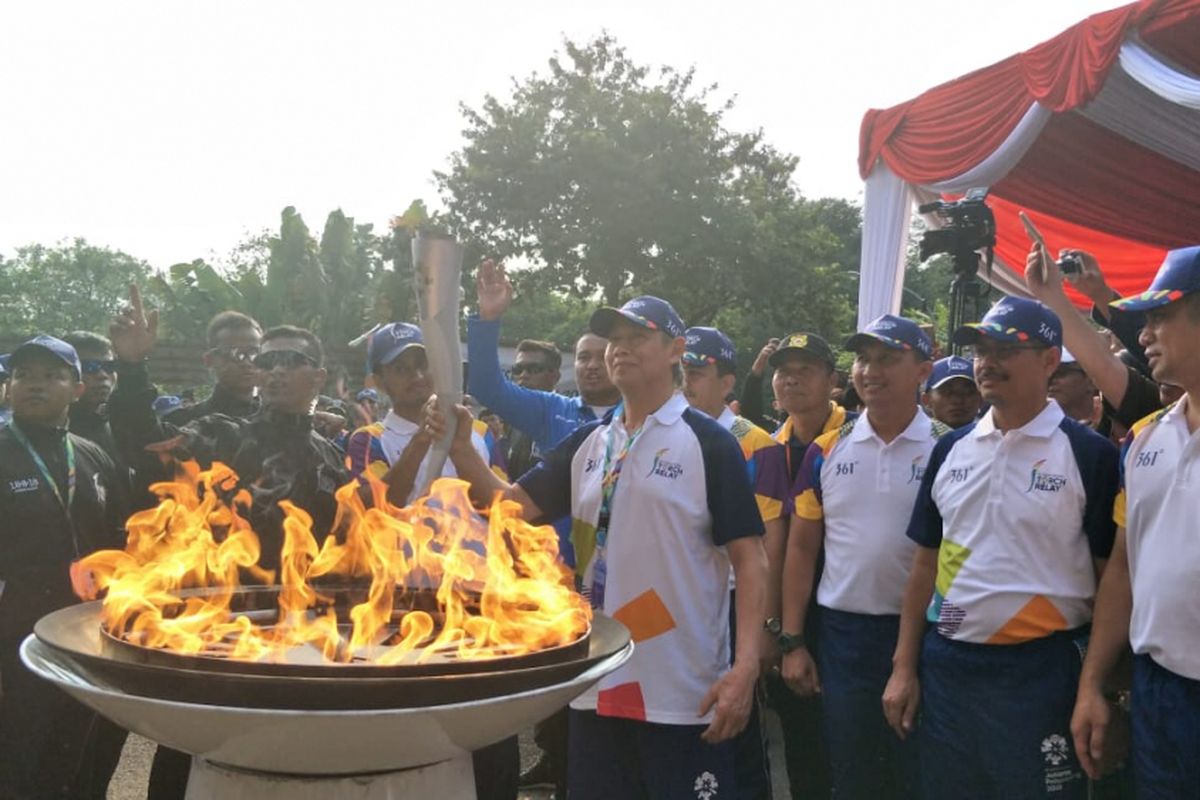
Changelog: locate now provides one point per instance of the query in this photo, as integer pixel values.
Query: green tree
(68, 286)
(614, 181)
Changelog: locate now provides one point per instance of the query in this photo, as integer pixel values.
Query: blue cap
(708, 346)
(646, 311)
(896, 332)
(55, 347)
(389, 341)
(166, 403)
(367, 394)
(1178, 275)
(1014, 319)
(949, 368)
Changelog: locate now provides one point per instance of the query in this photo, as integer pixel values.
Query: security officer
(61, 497)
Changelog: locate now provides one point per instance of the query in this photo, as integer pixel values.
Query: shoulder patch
(938, 428)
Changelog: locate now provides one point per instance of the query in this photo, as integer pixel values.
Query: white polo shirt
(864, 488)
(376, 447)
(1159, 506)
(1017, 518)
(683, 493)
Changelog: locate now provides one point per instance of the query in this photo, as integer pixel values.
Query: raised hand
(134, 332)
(494, 289)
(760, 361)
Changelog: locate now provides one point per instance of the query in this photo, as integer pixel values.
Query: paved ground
(132, 775)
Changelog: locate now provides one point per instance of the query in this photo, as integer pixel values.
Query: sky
(171, 130)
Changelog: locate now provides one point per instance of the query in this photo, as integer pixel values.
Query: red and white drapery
(1095, 133)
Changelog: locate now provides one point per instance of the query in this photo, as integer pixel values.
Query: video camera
(967, 226)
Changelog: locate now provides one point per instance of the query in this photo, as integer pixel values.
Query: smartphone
(1035, 236)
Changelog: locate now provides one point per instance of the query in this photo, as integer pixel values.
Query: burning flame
(498, 586)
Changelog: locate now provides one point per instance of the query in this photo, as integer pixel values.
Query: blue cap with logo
(48, 344)
(1014, 319)
(899, 333)
(1178, 275)
(389, 341)
(705, 346)
(649, 312)
(166, 403)
(948, 369)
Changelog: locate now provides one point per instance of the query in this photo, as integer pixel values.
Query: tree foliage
(68, 286)
(612, 180)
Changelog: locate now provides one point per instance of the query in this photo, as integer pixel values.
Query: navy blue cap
(948, 369)
(705, 346)
(896, 332)
(645, 311)
(389, 341)
(1014, 319)
(1178, 275)
(166, 403)
(55, 347)
(367, 394)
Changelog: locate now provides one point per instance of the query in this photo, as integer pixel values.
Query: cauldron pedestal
(448, 780)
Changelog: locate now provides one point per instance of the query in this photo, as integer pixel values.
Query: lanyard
(608, 484)
(41, 465)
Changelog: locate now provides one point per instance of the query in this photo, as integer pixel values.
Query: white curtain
(1126, 107)
(1164, 80)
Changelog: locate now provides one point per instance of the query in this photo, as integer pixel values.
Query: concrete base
(447, 780)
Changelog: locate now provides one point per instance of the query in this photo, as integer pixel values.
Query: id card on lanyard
(63, 502)
(608, 487)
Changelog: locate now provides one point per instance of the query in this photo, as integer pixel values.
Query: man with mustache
(881, 455)
(1148, 598)
(1013, 523)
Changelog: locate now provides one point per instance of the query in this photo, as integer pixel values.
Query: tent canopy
(1094, 133)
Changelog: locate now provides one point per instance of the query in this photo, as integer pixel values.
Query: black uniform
(221, 401)
(48, 741)
(93, 425)
(276, 456)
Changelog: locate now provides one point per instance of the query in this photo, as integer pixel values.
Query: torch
(437, 261)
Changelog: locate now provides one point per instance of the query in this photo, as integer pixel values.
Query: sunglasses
(245, 354)
(92, 366)
(288, 359)
(528, 369)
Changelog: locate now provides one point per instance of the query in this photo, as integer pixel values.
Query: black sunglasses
(532, 369)
(245, 354)
(288, 359)
(92, 365)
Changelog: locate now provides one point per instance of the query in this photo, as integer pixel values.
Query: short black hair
(88, 341)
(550, 355)
(312, 344)
(229, 321)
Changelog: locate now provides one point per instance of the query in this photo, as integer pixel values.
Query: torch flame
(496, 583)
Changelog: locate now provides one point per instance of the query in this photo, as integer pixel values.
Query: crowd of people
(941, 574)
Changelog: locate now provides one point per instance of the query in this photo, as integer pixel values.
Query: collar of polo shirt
(1042, 426)
(918, 429)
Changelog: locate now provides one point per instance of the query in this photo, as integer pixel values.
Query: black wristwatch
(787, 641)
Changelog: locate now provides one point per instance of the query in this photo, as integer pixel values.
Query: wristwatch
(787, 641)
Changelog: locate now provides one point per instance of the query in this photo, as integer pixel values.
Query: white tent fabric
(887, 212)
(1143, 99)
